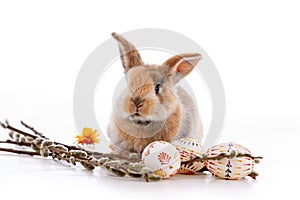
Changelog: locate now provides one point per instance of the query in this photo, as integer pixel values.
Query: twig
(232, 155)
(30, 153)
(7, 126)
(42, 136)
(119, 165)
(204, 169)
(16, 143)
(220, 156)
(253, 175)
(33, 130)
(97, 155)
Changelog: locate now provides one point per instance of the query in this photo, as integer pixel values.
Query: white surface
(255, 46)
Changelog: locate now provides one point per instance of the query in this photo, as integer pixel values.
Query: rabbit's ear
(130, 56)
(182, 64)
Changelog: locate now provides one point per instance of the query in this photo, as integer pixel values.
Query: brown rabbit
(153, 107)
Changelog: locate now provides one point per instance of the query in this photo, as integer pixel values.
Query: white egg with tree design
(162, 158)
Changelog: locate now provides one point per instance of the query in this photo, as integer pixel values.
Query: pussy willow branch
(98, 155)
(232, 155)
(224, 155)
(30, 153)
(220, 156)
(33, 130)
(112, 165)
(6, 125)
(52, 149)
(119, 165)
(77, 159)
(15, 142)
(89, 162)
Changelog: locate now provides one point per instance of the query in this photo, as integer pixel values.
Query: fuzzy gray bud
(22, 139)
(87, 166)
(38, 142)
(60, 147)
(16, 136)
(78, 153)
(103, 160)
(44, 152)
(73, 160)
(46, 143)
(11, 134)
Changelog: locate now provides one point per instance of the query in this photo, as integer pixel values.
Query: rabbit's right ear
(130, 56)
(182, 64)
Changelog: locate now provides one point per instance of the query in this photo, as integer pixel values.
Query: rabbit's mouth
(139, 120)
(142, 123)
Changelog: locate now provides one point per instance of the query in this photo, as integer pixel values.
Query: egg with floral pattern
(188, 149)
(229, 168)
(162, 158)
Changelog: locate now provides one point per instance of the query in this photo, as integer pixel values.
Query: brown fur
(130, 56)
(142, 115)
(182, 65)
(167, 133)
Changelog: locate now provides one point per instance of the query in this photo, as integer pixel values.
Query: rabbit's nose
(137, 108)
(138, 102)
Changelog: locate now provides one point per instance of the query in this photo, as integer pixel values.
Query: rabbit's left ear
(130, 56)
(182, 64)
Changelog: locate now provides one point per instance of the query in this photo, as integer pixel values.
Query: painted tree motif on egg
(164, 158)
(229, 168)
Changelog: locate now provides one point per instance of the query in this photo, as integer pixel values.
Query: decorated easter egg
(162, 158)
(233, 167)
(188, 149)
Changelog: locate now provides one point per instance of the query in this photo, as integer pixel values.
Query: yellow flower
(111, 146)
(88, 136)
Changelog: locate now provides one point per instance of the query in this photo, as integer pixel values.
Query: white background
(254, 44)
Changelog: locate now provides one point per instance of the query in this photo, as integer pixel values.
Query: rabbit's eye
(156, 88)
